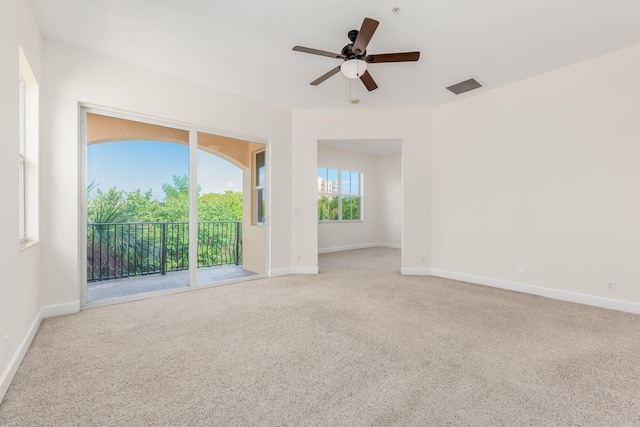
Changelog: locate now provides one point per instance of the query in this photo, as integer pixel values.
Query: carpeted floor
(358, 344)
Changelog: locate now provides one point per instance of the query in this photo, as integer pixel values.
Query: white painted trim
(60, 309)
(389, 245)
(304, 270)
(279, 272)
(18, 356)
(405, 271)
(346, 248)
(596, 301)
(359, 246)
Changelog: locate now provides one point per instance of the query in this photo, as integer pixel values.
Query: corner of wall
(18, 356)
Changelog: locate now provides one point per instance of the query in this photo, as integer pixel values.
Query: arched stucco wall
(101, 128)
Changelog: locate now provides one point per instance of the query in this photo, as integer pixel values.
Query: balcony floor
(137, 285)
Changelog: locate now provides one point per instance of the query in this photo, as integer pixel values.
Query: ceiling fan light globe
(353, 68)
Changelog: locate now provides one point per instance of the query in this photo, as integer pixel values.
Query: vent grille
(464, 86)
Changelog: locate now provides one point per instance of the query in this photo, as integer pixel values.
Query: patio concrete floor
(180, 279)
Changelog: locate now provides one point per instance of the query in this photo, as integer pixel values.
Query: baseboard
(279, 272)
(612, 304)
(346, 248)
(18, 356)
(390, 245)
(304, 270)
(60, 309)
(415, 271)
(358, 246)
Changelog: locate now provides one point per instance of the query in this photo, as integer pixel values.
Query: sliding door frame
(193, 130)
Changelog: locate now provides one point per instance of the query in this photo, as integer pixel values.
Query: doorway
(359, 194)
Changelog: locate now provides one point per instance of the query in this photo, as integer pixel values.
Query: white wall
(544, 175)
(334, 236)
(72, 77)
(412, 127)
(20, 282)
(389, 189)
(253, 236)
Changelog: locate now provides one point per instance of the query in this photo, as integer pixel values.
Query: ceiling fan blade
(364, 35)
(325, 76)
(317, 52)
(393, 57)
(368, 81)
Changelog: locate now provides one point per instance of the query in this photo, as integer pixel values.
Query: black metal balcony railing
(118, 250)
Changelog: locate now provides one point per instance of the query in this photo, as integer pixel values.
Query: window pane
(355, 208)
(346, 207)
(22, 207)
(333, 209)
(22, 118)
(261, 205)
(260, 170)
(355, 183)
(137, 214)
(345, 183)
(323, 208)
(322, 180)
(332, 177)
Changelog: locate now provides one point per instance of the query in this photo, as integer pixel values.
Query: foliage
(226, 206)
(121, 206)
(109, 207)
(162, 242)
(328, 208)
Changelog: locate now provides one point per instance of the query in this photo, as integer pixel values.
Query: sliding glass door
(148, 227)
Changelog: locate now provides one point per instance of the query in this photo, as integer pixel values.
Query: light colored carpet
(356, 345)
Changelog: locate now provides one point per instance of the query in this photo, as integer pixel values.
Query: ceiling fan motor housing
(348, 52)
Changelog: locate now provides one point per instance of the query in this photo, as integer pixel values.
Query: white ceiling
(244, 46)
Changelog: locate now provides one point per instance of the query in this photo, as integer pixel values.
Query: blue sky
(147, 165)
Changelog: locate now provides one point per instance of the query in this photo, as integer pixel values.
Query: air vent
(464, 86)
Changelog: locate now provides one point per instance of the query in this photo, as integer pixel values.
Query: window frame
(340, 195)
(22, 160)
(28, 161)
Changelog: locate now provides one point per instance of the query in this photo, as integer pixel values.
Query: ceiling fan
(355, 56)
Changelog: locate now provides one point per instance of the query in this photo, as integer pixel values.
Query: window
(22, 160)
(28, 153)
(339, 195)
(260, 183)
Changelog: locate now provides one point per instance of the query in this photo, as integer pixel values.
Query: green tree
(109, 207)
(176, 202)
(226, 206)
(145, 207)
(327, 208)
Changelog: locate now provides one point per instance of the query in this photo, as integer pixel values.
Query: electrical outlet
(5, 346)
(521, 271)
(610, 286)
(422, 260)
